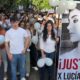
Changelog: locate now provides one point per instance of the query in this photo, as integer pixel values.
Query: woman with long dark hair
(47, 46)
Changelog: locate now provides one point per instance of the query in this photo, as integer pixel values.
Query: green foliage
(22, 2)
(13, 4)
(41, 4)
(3, 2)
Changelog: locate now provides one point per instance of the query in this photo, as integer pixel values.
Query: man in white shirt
(16, 42)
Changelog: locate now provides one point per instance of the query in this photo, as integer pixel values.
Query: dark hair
(25, 27)
(34, 30)
(14, 18)
(45, 31)
(21, 22)
(43, 21)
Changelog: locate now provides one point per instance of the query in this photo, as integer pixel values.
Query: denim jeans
(18, 59)
(48, 71)
(5, 62)
(28, 62)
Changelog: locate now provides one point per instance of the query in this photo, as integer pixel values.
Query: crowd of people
(28, 37)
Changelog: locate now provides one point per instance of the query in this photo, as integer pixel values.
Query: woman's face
(22, 24)
(27, 25)
(44, 22)
(26, 17)
(49, 27)
(74, 26)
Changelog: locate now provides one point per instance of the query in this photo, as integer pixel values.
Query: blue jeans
(5, 62)
(27, 62)
(18, 60)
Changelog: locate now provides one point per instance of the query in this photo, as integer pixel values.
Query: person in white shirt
(4, 24)
(16, 44)
(40, 30)
(47, 46)
(0, 19)
(33, 48)
(8, 21)
(27, 28)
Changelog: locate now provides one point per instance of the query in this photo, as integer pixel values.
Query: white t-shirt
(34, 39)
(40, 30)
(28, 33)
(16, 39)
(37, 26)
(8, 22)
(49, 45)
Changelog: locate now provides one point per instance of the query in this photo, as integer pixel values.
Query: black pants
(47, 72)
(9, 69)
(1, 71)
(33, 55)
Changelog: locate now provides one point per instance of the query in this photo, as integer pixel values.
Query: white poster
(69, 57)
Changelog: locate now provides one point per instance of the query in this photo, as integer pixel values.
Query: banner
(69, 55)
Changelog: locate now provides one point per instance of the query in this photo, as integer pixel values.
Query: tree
(13, 4)
(41, 4)
(25, 3)
(3, 2)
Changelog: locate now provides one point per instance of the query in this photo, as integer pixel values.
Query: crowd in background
(34, 24)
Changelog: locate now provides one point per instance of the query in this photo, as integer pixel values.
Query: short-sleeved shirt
(16, 39)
